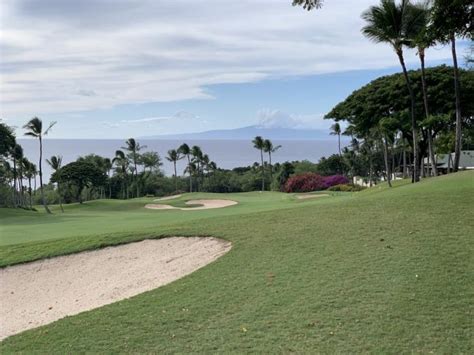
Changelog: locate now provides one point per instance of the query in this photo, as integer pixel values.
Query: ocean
(227, 154)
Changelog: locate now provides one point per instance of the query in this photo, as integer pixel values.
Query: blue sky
(114, 69)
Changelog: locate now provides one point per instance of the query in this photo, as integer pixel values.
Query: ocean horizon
(227, 154)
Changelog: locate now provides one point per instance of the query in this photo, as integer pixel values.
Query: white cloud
(64, 56)
(268, 118)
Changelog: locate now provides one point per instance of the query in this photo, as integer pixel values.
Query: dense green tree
(34, 128)
(151, 160)
(80, 174)
(121, 162)
(7, 139)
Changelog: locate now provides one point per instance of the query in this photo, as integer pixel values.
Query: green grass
(380, 271)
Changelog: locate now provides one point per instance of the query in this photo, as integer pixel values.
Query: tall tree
(174, 156)
(186, 151)
(55, 163)
(151, 160)
(336, 131)
(121, 162)
(17, 156)
(451, 19)
(269, 148)
(197, 154)
(421, 42)
(396, 25)
(35, 129)
(133, 148)
(30, 173)
(258, 143)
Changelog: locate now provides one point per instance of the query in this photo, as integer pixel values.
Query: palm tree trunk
(427, 112)
(457, 91)
(263, 170)
(339, 142)
(60, 199)
(175, 177)
(29, 185)
(190, 175)
(136, 177)
(416, 176)
(271, 167)
(14, 184)
(43, 200)
(387, 165)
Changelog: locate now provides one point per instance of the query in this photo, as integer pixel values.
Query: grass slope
(384, 271)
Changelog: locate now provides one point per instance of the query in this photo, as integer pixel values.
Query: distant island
(249, 132)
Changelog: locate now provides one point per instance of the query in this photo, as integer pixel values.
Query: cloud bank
(65, 56)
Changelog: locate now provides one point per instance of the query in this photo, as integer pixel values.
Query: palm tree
(396, 25)
(186, 151)
(35, 129)
(174, 156)
(55, 163)
(121, 162)
(336, 131)
(258, 143)
(308, 4)
(17, 156)
(197, 154)
(30, 173)
(133, 147)
(269, 148)
(151, 160)
(422, 41)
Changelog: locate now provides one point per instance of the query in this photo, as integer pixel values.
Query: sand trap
(205, 205)
(168, 198)
(44, 291)
(307, 196)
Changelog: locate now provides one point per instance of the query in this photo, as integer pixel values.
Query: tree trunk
(434, 168)
(457, 91)
(43, 200)
(60, 199)
(175, 178)
(29, 185)
(339, 142)
(271, 167)
(14, 184)
(416, 176)
(263, 170)
(387, 165)
(190, 176)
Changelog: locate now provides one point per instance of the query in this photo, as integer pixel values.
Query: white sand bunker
(172, 197)
(307, 196)
(204, 205)
(44, 291)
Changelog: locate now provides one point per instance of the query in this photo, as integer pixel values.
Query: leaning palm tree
(397, 25)
(174, 156)
(186, 151)
(336, 131)
(258, 143)
(55, 163)
(35, 129)
(269, 148)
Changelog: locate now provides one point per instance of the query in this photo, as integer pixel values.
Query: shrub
(305, 183)
(347, 188)
(334, 180)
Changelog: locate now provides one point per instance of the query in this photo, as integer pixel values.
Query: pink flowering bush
(305, 183)
(334, 180)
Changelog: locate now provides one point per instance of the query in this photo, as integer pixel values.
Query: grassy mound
(384, 271)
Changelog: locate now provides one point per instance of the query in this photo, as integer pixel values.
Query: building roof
(466, 160)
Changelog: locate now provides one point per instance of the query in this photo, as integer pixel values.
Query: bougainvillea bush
(334, 180)
(305, 183)
(313, 182)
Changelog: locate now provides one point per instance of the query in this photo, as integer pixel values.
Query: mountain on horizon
(249, 133)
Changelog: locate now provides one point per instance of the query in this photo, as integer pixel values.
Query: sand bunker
(204, 205)
(307, 196)
(44, 291)
(168, 198)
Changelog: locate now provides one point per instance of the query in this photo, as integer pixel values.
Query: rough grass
(383, 271)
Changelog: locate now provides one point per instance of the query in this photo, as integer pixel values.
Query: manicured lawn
(381, 271)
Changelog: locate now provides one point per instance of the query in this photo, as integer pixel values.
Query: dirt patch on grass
(203, 205)
(44, 291)
(308, 196)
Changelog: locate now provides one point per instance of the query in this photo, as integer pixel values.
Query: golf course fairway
(378, 271)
